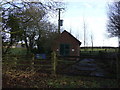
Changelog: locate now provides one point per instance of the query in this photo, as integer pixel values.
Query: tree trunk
(26, 44)
(8, 47)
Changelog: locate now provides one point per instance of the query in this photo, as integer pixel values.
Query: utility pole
(59, 21)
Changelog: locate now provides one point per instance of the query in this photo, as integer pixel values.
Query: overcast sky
(94, 13)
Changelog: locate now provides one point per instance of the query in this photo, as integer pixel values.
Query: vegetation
(31, 79)
(20, 72)
(114, 28)
(18, 51)
(104, 49)
(28, 23)
(114, 19)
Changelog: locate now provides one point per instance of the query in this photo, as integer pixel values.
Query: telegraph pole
(59, 21)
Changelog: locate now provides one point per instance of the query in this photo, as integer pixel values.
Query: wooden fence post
(15, 63)
(33, 62)
(54, 62)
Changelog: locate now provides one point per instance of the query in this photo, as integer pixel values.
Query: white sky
(95, 16)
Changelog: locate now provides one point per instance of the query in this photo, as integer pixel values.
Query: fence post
(54, 62)
(15, 62)
(33, 62)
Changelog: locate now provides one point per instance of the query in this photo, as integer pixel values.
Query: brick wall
(66, 38)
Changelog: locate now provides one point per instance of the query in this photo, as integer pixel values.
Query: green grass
(81, 82)
(98, 52)
(99, 49)
(18, 51)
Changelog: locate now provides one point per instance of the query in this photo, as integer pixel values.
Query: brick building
(66, 45)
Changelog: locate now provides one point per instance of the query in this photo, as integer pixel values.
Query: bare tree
(92, 41)
(84, 28)
(113, 25)
(113, 28)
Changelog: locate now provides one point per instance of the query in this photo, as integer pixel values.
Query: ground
(22, 79)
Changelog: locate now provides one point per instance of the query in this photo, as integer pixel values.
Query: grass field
(21, 51)
(18, 51)
(99, 49)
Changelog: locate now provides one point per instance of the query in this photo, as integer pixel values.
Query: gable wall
(65, 38)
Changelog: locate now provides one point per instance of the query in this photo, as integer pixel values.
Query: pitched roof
(72, 36)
